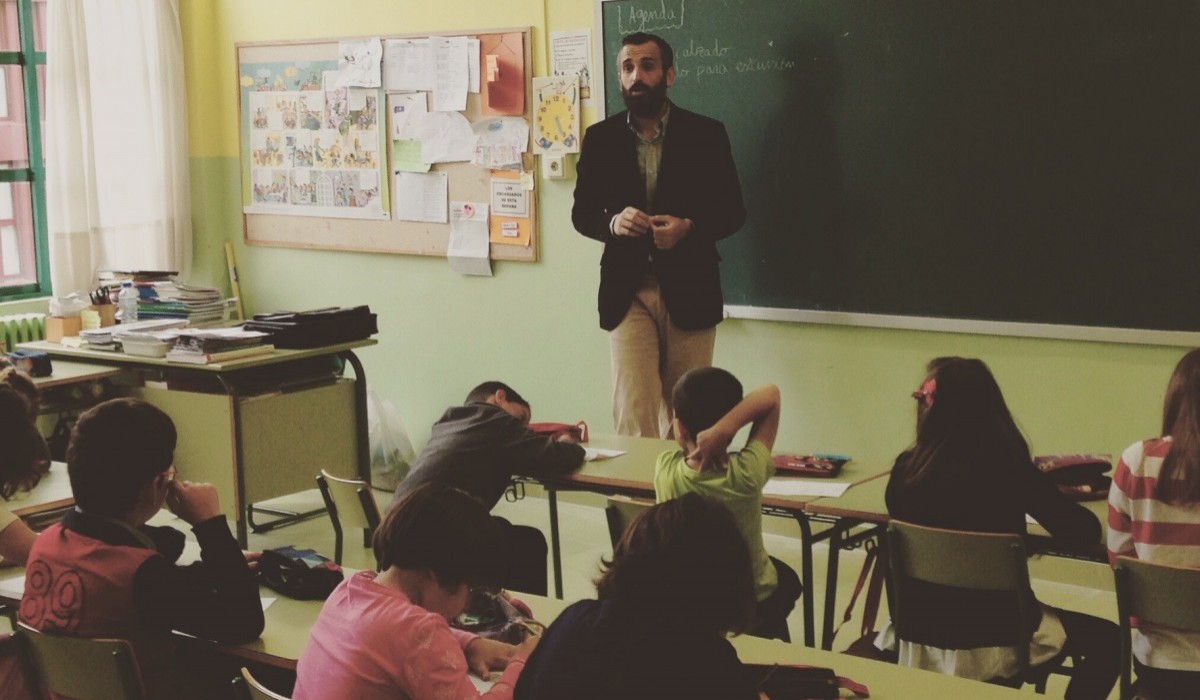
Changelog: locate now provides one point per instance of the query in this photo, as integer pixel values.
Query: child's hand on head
(194, 503)
(710, 450)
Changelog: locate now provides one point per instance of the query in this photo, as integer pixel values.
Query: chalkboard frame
(1137, 336)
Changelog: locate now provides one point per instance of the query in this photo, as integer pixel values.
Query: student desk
(65, 373)
(863, 504)
(47, 500)
(253, 446)
(632, 474)
(289, 623)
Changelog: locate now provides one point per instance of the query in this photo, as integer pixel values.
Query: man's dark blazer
(697, 180)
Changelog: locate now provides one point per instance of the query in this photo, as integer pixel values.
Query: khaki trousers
(649, 354)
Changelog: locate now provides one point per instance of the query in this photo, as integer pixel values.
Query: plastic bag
(392, 452)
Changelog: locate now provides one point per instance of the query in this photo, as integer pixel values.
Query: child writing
(1154, 514)
(387, 635)
(970, 469)
(122, 573)
(709, 411)
(680, 580)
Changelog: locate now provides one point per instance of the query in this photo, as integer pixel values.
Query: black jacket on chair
(697, 180)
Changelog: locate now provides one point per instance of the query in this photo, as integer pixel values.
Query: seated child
(679, 581)
(23, 461)
(124, 575)
(1154, 514)
(387, 635)
(478, 447)
(970, 469)
(709, 411)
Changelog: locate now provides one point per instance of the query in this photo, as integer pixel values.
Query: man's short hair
(446, 531)
(117, 448)
(485, 391)
(664, 49)
(703, 395)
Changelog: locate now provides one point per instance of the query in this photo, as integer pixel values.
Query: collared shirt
(650, 154)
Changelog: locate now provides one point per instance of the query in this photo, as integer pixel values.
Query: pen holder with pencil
(104, 315)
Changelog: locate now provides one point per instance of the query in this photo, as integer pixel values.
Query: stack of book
(212, 345)
(169, 299)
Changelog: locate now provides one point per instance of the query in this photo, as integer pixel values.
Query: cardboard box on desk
(58, 327)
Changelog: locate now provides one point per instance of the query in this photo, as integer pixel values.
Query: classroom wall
(534, 325)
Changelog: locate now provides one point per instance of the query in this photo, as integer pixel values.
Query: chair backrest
(620, 512)
(256, 690)
(349, 501)
(1154, 593)
(982, 561)
(84, 669)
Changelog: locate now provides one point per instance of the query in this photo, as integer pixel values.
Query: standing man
(657, 185)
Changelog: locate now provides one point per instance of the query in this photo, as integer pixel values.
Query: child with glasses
(387, 635)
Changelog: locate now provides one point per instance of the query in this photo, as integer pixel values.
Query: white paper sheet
(508, 198)
(406, 65)
(473, 65)
(595, 454)
(421, 196)
(782, 486)
(570, 55)
(401, 107)
(358, 62)
(13, 587)
(445, 137)
(469, 248)
(452, 77)
(500, 141)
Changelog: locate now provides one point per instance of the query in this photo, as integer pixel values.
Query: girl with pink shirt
(387, 635)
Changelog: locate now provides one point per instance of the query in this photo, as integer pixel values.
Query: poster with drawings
(311, 148)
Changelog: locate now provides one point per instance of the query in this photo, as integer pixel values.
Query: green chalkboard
(1033, 161)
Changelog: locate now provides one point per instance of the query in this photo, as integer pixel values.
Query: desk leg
(555, 546)
(806, 575)
(239, 464)
(831, 574)
(361, 427)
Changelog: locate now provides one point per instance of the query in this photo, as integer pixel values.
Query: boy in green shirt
(709, 411)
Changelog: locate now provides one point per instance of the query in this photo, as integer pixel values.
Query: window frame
(35, 174)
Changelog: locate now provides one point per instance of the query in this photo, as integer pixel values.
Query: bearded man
(658, 187)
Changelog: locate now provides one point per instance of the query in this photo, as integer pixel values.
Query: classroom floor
(585, 540)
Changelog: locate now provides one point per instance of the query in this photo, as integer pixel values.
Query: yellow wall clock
(556, 116)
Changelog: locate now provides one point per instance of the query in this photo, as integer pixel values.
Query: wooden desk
(293, 469)
(632, 474)
(48, 499)
(289, 622)
(864, 504)
(65, 373)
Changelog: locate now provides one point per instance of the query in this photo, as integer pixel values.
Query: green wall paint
(534, 325)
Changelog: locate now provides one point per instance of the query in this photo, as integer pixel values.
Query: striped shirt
(1142, 526)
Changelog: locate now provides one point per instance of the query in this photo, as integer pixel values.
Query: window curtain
(116, 140)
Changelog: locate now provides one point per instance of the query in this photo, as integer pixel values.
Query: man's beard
(647, 104)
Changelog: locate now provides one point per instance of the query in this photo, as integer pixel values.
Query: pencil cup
(107, 313)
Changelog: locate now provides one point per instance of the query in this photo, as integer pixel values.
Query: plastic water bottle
(127, 302)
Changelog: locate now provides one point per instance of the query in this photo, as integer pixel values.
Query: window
(24, 263)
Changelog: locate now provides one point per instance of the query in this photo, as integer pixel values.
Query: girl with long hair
(1154, 514)
(970, 469)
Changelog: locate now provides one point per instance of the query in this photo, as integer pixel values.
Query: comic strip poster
(310, 147)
